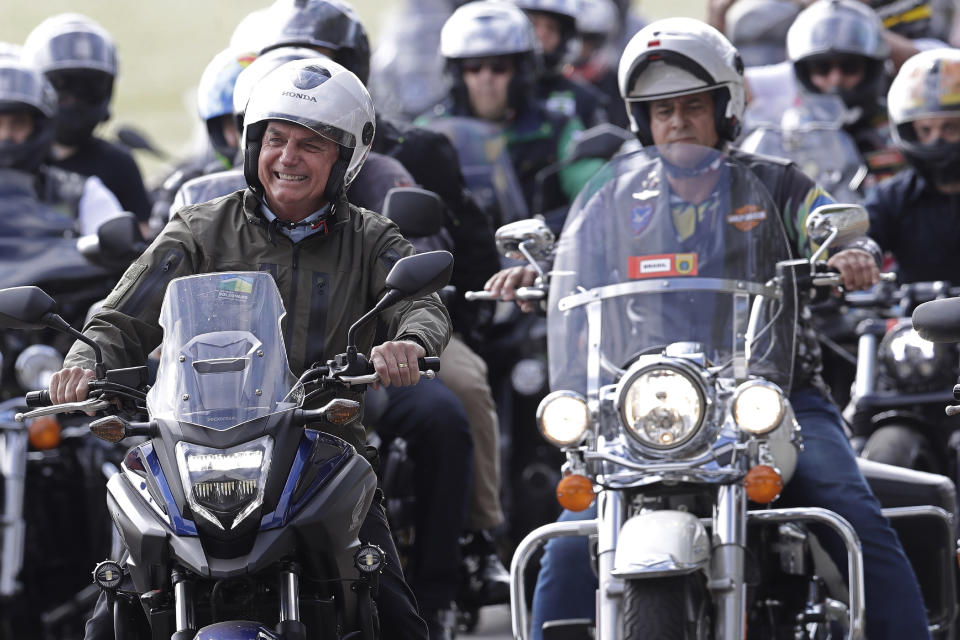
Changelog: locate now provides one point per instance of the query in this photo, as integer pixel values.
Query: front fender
(661, 543)
(235, 630)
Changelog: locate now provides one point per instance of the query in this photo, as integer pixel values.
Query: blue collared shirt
(305, 228)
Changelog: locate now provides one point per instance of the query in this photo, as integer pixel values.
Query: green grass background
(165, 44)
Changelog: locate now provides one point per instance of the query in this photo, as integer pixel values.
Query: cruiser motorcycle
(238, 516)
(670, 362)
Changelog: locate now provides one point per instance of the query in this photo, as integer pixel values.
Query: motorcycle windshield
(677, 244)
(223, 360)
(486, 165)
(811, 134)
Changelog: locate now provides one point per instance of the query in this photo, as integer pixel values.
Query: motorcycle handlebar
(39, 398)
(522, 293)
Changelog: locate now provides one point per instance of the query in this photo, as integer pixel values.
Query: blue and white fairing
(229, 467)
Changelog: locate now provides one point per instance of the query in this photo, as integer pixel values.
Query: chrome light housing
(225, 484)
(35, 365)
(758, 406)
(563, 418)
(908, 358)
(662, 406)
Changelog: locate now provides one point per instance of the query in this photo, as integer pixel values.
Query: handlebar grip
(39, 398)
(429, 363)
(474, 296)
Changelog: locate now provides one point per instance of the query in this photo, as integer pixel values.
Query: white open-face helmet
(258, 69)
(322, 96)
(677, 57)
(927, 86)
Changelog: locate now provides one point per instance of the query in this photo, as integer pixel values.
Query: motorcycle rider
(596, 61)
(914, 215)
(333, 27)
(555, 24)
(215, 108)
(79, 58)
(683, 82)
(492, 56)
(308, 128)
(28, 116)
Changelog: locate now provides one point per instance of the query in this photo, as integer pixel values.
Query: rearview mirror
(417, 212)
(25, 308)
(420, 274)
(601, 141)
(532, 235)
(938, 320)
(837, 223)
(117, 243)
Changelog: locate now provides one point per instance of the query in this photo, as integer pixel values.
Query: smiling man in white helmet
(308, 128)
(682, 82)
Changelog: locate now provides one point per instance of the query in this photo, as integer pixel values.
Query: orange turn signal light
(341, 411)
(763, 484)
(44, 433)
(575, 492)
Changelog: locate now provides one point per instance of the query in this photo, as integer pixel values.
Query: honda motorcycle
(671, 363)
(238, 516)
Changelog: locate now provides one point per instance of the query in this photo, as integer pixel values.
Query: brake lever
(370, 378)
(93, 404)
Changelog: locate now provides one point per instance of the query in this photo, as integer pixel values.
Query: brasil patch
(662, 265)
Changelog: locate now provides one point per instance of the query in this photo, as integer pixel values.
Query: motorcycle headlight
(662, 407)
(908, 357)
(758, 406)
(35, 365)
(224, 485)
(563, 418)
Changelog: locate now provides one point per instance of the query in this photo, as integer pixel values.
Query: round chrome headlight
(662, 407)
(908, 358)
(563, 418)
(758, 406)
(35, 365)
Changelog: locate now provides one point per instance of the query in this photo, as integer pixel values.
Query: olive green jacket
(327, 281)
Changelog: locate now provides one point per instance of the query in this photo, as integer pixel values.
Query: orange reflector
(575, 492)
(44, 432)
(111, 428)
(763, 484)
(341, 411)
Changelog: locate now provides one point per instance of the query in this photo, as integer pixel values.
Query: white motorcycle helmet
(322, 96)
(840, 27)
(927, 87)
(215, 94)
(566, 13)
(597, 19)
(258, 69)
(490, 28)
(677, 57)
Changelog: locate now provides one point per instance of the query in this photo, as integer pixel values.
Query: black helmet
(927, 87)
(25, 89)
(79, 58)
(487, 29)
(330, 24)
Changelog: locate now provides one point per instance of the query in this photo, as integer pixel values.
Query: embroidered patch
(640, 218)
(747, 217)
(130, 277)
(662, 265)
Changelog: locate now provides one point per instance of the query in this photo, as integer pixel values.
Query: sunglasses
(848, 65)
(497, 67)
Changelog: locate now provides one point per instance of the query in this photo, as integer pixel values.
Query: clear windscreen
(223, 360)
(677, 244)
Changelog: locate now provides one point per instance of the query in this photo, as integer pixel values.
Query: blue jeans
(826, 476)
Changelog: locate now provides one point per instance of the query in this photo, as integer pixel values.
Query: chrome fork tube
(610, 519)
(729, 557)
(866, 365)
(183, 602)
(13, 468)
(290, 594)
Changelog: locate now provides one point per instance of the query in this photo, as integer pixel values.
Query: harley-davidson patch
(747, 217)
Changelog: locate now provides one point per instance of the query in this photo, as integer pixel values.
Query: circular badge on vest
(367, 136)
(311, 77)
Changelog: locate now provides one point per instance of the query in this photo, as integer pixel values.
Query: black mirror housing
(421, 274)
(601, 141)
(417, 212)
(25, 308)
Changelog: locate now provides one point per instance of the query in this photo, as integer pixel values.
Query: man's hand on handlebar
(857, 268)
(396, 363)
(505, 282)
(70, 385)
